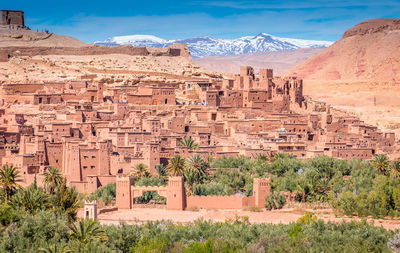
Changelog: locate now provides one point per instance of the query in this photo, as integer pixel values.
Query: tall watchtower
(124, 198)
(266, 76)
(261, 188)
(176, 198)
(9, 17)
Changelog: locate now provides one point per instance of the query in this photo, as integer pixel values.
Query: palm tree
(190, 180)
(86, 230)
(381, 163)
(176, 166)
(32, 199)
(9, 178)
(303, 190)
(161, 171)
(52, 179)
(195, 171)
(261, 157)
(66, 200)
(198, 166)
(55, 248)
(189, 143)
(140, 170)
(280, 156)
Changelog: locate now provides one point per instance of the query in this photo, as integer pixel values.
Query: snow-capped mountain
(208, 46)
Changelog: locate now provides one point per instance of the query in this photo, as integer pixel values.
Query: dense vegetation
(106, 194)
(49, 231)
(356, 187)
(39, 219)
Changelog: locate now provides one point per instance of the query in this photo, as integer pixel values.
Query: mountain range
(208, 46)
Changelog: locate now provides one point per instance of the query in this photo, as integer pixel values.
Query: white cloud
(296, 23)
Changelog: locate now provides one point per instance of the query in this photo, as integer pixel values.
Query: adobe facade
(94, 131)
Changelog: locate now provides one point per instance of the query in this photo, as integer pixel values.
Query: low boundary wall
(177, 199)
(219, 202)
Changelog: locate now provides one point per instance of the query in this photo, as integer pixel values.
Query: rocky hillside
(27, 56)
(30, 38)
(370, 51)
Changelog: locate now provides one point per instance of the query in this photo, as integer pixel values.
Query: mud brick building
(96, 132)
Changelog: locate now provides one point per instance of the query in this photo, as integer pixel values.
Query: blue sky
(90, 20)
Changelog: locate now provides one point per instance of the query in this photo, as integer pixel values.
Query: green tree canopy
(9, 178)
(189, 143)
(176, 166)
(52, 179)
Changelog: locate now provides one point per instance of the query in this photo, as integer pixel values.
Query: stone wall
(90, 50)
(7, 52)
(177, 199)
(217, 202)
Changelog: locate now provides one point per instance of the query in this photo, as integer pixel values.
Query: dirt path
(283, 216)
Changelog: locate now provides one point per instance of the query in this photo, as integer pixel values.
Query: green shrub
(212, 189)
(275, 200)
(150, 181)
(211, 246)
(150, 197)
(47, 231)
(8, 214)
(347, 203)
(156, 244)
(396, 198)
(106, 194)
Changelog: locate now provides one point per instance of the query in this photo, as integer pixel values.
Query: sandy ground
(31, 38)
(119, 68)
(375, 103)
(282, 216)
